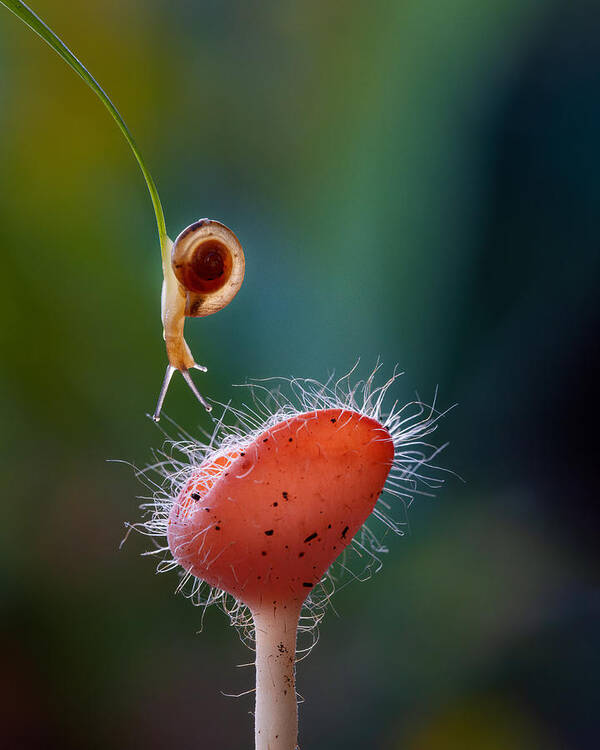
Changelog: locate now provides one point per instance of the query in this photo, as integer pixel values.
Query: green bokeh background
(412, 179)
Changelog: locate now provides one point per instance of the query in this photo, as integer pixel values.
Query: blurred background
(414, 179)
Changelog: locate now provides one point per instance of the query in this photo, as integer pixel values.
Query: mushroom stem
(276, 717)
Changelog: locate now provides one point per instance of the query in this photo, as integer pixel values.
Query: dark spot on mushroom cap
(290, 440)
(301, 554)
(310, 537)
(264, 553)
(269, 532)
(345, 531)
(217, 528)
(275, 504)
(285, 495)
(307, 585)
(333, 421)
(195, 496)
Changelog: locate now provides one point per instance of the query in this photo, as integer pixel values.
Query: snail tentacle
(163, 392)
(188, 379)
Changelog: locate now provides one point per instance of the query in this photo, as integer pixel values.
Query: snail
(203, 271)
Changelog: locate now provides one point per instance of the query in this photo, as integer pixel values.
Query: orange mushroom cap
(265, 522)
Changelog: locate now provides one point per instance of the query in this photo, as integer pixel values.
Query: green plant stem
(36, 24)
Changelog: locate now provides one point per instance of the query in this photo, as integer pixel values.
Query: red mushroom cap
(265, 522)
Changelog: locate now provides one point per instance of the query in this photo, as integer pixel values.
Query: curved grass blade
(36, 24)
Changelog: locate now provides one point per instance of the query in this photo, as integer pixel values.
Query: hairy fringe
(272, 401)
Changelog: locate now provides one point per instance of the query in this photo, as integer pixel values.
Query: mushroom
(265, 524)
(261, 513)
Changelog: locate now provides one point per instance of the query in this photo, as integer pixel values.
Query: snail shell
(208, 261)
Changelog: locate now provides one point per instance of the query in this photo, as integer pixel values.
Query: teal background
(412, 179)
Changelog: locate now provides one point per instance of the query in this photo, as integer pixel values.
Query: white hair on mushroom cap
(275, 400)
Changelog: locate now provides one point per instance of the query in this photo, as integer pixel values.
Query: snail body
(203, 271)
